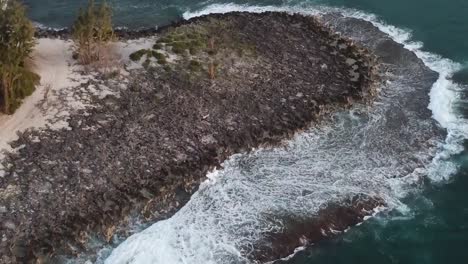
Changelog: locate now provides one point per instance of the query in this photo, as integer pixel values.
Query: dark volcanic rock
(147, 150)
(121, 33)
(297, 233)
(63, 33)
(411, 82)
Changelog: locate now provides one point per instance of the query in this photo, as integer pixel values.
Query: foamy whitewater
(359, 152)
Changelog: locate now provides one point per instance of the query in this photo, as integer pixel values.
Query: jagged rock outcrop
(146, 151)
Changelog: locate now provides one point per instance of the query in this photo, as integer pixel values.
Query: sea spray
(444, 93)
(229, 214)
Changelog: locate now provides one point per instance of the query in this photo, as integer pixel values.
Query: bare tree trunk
(7, 83)
(2, 98)
(212, 71)
(6, 96)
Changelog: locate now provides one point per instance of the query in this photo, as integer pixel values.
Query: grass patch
(198, 43)
(180, 45)
(157, 46)
(195, 66)
(166, 39)
(182, 41)
(161, 58)
(178, 50)
(179, 38)
(194, 50)
(137, 55)
(158, 55)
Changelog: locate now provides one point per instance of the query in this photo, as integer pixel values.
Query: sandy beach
(56, 98)
(52, 60)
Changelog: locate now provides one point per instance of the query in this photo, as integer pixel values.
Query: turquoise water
(434, 233)
(436, 229)
(441, 25)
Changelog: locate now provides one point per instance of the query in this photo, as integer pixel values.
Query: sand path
(52, 58)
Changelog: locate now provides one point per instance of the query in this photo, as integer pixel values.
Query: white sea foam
(224, 219)
(443, 94)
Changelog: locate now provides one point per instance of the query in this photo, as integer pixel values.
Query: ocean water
(428, 226)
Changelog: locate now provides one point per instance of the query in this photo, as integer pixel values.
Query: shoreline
(51, 62)
(122, 33)
(247, 141)
(54, 99)
(398, 58)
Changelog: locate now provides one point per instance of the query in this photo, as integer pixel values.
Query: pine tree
(16, 44)
(92, 30)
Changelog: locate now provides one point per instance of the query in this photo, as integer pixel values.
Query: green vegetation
(167, 68)
(157, 46)
(92, 30)
(159, 57)
(182, 41)
(195, 65)
(137, 55)
(16, 44)
(201, 48)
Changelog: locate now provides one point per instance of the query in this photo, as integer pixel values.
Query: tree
(16, 44)
(92, 30)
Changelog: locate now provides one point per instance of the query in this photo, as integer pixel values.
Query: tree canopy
(92, 29)
(16, 44)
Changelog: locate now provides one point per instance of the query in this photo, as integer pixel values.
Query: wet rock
(306, 230)
(145, 152)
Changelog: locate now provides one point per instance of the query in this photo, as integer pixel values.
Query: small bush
(197, 43)
(181, 42)
(179, 38)
(195, 65)
(194, 50)
(159, 57)
(180, 45)
(157, 46)
(137, 55)
(178, 50)
(212, 52)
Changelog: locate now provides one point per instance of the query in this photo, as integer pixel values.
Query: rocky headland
(209, 87)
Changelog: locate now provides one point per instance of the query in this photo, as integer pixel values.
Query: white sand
(56, 97)
(128, 47)
(51, 59)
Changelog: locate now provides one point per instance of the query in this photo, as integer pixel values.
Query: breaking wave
(363, 151)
